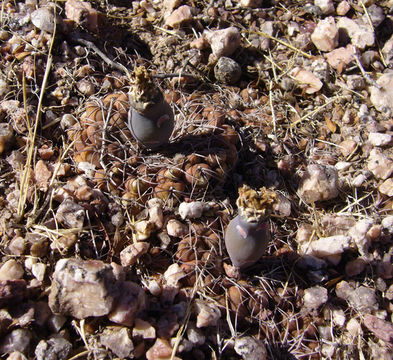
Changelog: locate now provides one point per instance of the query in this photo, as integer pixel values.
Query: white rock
(386, 187)
(179, 17)
(318, 183)
(358, 234)
(71, 214)
(341, 57)
(342, 8)
(118, 339)
(307, 80)
(38, 270)
(176, 228)
(223, 42)
(11, 270)
(144, 330)
(342, 165)
(326, 6)
(314, 297)
(387, 223)
(133, 252)
(338, 317)
(354, 328)
(191, 210)
(207, 313)
(250, 348)
(323, 247)
(382, 98)
(361, 34)
(359, 180)
(387, 51)
(379, 164)
(251, 3)
(379, 139)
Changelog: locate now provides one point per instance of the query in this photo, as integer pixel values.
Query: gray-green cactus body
(153, 127)
(246, 241)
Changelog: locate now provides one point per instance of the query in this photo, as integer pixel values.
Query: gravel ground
(260, 229)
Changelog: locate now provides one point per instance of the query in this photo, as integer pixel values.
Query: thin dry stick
(360, 66)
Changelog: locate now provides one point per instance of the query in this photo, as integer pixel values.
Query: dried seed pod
(188, 249)
(150, 118)
(136, 186)
(229, 134)
(237, 301)
(198, 174)
(171, 174)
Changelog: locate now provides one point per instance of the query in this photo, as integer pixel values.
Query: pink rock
(342, 8)
(386, 187)
(118, 340)
(387, 51)
(381, 328)
(307, 80)
(160, 350)
(360, 33)
(82, 13)
(223, 42)
(42, 175)
(251, 3)
(181, 16)
(379, 164)
(340, 57)
(11, 270)
(207, 313)
(314, 297)
(382, 98)
(325, 35)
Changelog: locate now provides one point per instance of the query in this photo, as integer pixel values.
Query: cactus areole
(247, 235)
(150, 118)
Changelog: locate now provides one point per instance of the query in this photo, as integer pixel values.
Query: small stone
(3, 87)
(250, 348)
(387, 51)
(362, 299)
(341, 57)
(195, 335)
(6, 137)
(387, 223)
(42, 175)
(379, 139)
(354, 328)
(324, 247)
(347, 147)
(380, 165)
(11, 270)
(315, 297)
(355, 267)
(86, 87)
(251, 3)
(338, 317)
(55, 348)
(133, 252)
(118, 340)
(227, 71)
(382, 98)
(176, 228)
(144, 330)
(375, 14)
(358, 234)
(56, 322)
(156, 215)
(38, 270)
(181, 16)
(361, 34)
(71, 214)
(82, 13)
(386, 187)
(380, 328)
(16, 355)
(359, 180)
(306, 80)
(326, 6)
(207, 313)
(223, 42)
(342, 8)
(342, 165)
(191, 210)
(131, 300)
(44, 19)
(355, 82)
(318, 183)
(11, 291)
(325, 35)
(160, 350)
(17, 340)
(82, 288)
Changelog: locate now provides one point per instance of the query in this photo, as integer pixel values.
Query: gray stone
(17, 340)
(118, 340)
(55, 348)
(227, 71)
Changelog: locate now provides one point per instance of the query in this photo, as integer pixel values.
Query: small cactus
(150, 118)
(247, 235)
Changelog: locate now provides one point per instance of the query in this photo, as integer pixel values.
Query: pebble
(42, 175)
(6, 137)
(86, 87)
(338, 317)
(71, 214)
(376, 15)
(44, 19)
(314, 297)
(326, 6)
(82, 13)
(326, 246)
(387, 223)
(250, 348)
(160, 350)
(12, 291)
(358, 234)
(359, 180)
(379, 139)
(16, 340)
(179, 17)
(342, 8)
(191, 210)
(380, 328)
(207, 313)
(306, 80)
(55, 348)
(118, 340)
(143, 329)
(347, 147)
(380, 165)
(227, 71)
(342, 165)
(325, 35)
(354, 328)
(318, 183)
(223, 42)
(11, 270)
(3, 87)
(355, 267)
(133, 252)
(251, 3)
(340, 57)
(361, 34)
(176, 228)
(387, 51)
(362, 299)
(382, 98)
(386, 187)
(195, 335)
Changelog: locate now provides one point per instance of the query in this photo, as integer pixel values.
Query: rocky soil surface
(113, 250)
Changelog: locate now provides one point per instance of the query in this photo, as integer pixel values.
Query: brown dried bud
(198, 174)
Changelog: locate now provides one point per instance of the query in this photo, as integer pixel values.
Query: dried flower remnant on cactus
(144, 92)
(255, 205)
